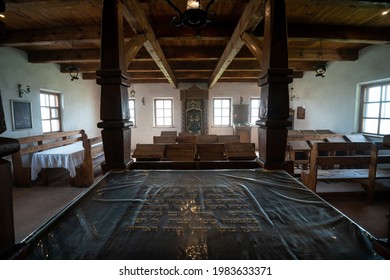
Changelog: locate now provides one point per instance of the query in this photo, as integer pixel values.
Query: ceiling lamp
(73, 69)
(193, 17)
(320, 67)
(73, 72)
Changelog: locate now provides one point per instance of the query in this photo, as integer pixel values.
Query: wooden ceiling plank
(15, 6)
(251, 16)
(137, 20)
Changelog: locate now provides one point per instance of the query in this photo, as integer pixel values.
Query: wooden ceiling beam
(250, 18)
(93, 55)
(91, 34)
(137, 20)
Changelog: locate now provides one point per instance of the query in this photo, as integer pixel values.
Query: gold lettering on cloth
(143, 228)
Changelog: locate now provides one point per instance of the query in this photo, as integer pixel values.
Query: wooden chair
(210, 151)
(149, 152)
(164, 139)
(240, 151)
(180, 152)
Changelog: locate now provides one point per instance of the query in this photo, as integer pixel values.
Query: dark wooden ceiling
(68, 31)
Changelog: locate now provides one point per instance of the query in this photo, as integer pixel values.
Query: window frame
(230, 112)
(58, 107)
(363, 101)
(155, 113)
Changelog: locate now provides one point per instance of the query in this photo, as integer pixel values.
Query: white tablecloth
(69, 157)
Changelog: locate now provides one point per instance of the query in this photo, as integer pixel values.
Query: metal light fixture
(22, 91)
(73, 72)
(2, 16)
(193, 17)
(73, 69)
(320, 67)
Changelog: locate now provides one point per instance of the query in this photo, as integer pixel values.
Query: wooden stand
(244, 132)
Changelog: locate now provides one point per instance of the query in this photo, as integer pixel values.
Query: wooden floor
(34, 206)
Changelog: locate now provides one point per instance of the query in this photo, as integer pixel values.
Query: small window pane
(225, 103)
(55, 125)
(371, 110)
(386, 96)
(370, 126)
(54, 113)
(159, 104)
(373, 94)
(385, 111)
(384, 127)
(46, 126)
(225, 120)
(44, 100)
(45, 113)
(225, 112)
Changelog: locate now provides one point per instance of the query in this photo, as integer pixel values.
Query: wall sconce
(143, 101)
(22, 91)
(293, 94)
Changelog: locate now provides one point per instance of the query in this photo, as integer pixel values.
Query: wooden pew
(210, 151)
(229, 138)
(21, 160)
(168, 133)
(240, 151)
(342, 156)
(149, 152)
(379, 168)
(93, 158)
(208, 138)
(180, 152)
(164, 139)
(193, 139)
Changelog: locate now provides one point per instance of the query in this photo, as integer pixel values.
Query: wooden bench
(229, 138)
(208, 138)
(169, 133)
(93, 158)
(21, 161)
(240, 151)
(343, 162)
(180, 152)
(149, 152)
(210, 151)
(164, 139)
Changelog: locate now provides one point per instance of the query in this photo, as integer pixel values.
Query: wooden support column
(274, 80)
(114, 108)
